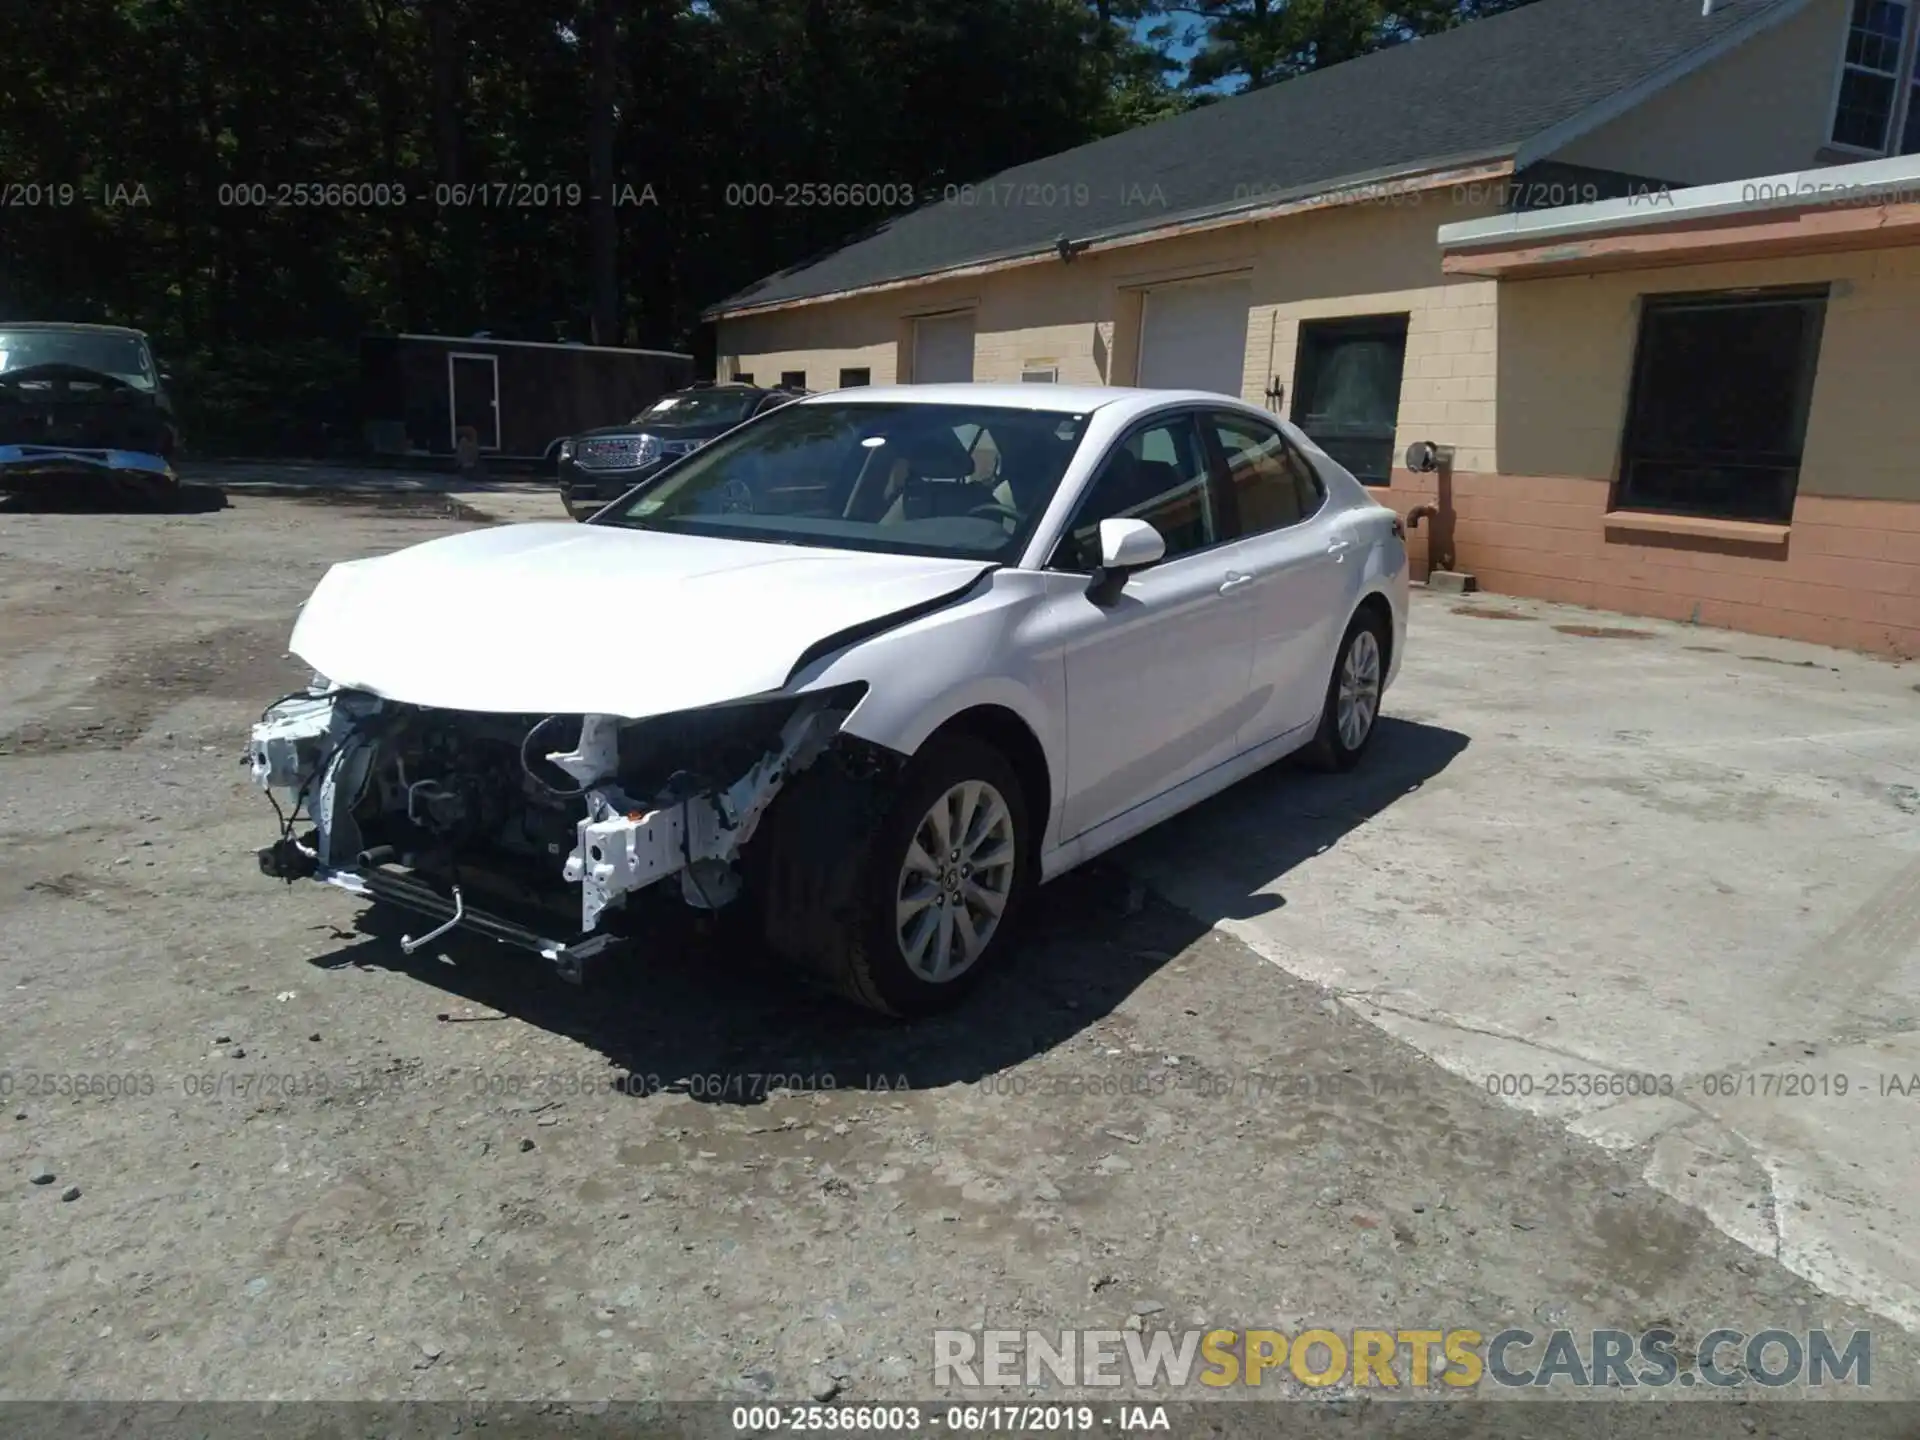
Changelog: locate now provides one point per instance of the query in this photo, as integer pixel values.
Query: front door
(1156, 680)
(474, 383)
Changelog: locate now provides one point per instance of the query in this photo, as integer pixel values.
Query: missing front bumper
(287, 860)
(321, 748)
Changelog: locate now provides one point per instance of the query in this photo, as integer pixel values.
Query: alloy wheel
(955, 881)
(1358, 701)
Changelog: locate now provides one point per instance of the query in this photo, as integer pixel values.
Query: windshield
(122, 356)
(963, 481)
(701, 407)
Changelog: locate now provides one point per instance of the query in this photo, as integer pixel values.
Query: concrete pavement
(1659, 883)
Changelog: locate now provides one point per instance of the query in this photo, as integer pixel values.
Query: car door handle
(1338, 548)
(1235, 582)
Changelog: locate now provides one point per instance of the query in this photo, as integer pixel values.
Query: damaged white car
(873, 666)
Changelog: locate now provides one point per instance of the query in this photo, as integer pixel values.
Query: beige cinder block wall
(1083, 316)
(1763, 108)
(1847, 569)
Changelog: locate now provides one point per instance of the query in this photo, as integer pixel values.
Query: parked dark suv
(83, 405)
(600, 466)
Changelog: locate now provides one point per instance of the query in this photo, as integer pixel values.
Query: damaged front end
(534, 830)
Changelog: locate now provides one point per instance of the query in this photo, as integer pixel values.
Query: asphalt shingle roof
(1480, 91)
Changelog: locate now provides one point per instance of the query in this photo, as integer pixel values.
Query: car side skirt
(1164, 806)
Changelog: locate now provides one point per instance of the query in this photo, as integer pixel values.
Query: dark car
(599, 466)
(83, 405)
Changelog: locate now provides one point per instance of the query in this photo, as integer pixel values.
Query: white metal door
(473, 397)
(1194, 337)
(943, 349)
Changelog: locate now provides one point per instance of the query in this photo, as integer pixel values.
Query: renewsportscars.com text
(1400, 1359)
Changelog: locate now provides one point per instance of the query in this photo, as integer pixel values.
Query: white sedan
(868, 669)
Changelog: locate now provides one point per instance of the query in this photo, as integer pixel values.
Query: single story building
(1286, 246)
(1708, 409)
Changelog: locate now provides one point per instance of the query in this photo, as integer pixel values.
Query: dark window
(1910, 132)
(1346, 390)
(1270, 484)
(859, 376)
(743, 377)
(1158, 474)
(1870, 77)
(700, 407)
(1721, 389)
(793, 379)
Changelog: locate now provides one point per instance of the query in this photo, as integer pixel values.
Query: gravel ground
(326, 1170)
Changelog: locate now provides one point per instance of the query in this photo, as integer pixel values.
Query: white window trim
(1905, 83)
(1034, 373)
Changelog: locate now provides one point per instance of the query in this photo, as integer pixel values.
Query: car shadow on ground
(186, 498)
(710, 1013)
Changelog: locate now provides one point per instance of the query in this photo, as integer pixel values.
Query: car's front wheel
(927, 896)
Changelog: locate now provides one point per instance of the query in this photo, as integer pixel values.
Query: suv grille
(612, 452)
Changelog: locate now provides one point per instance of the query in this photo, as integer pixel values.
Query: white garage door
(943, 349)
(1194, 337)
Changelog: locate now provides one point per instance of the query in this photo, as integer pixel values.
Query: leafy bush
(297, 398)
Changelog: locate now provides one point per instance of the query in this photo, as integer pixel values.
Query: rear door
(1276, 513)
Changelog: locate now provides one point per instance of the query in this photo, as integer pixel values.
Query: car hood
(681, 431)
(558, 618)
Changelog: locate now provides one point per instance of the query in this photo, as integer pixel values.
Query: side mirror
(1125, 546)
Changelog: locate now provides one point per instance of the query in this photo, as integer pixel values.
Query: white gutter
(1874, 182)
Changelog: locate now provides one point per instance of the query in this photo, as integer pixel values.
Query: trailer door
(473, 384)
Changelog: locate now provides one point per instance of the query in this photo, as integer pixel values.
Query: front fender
(988, 650)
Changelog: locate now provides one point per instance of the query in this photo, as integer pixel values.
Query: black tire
(834, 873)
(1330, 749)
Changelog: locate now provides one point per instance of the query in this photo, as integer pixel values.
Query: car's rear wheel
(904, 916)
(1352, 708)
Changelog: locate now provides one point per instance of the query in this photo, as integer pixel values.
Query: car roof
(1060, 399)
(70, 325)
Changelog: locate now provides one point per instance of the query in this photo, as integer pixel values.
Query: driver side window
(1157, 474)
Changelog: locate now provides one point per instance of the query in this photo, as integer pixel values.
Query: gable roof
(1485, 90)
